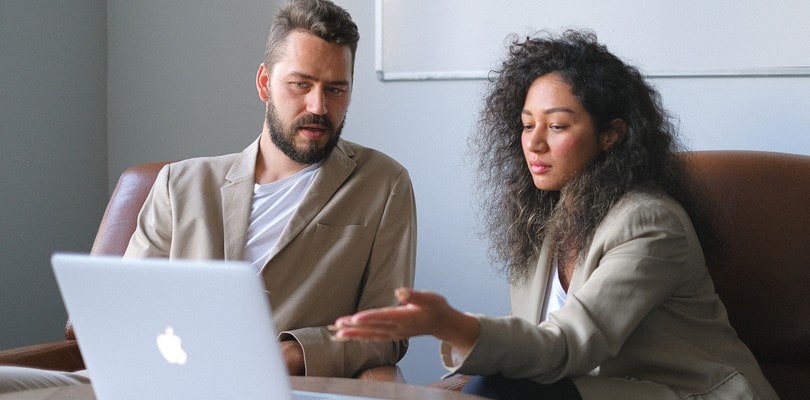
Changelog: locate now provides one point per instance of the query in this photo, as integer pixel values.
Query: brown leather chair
(761, 205)
(117, 225)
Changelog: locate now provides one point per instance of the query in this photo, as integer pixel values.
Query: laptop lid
(161, 329)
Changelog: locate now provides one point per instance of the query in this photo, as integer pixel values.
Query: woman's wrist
(461, 331)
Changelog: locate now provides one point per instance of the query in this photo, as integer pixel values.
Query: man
(329, 224)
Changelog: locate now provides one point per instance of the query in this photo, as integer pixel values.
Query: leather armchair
(112, 238)
(761, 204)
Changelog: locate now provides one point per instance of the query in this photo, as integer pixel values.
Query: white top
(557, 295)
(273, 206)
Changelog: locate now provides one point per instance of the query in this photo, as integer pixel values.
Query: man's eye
(335, 90)
(299, 85)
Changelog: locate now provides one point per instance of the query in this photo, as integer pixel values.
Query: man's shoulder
(197, 167)
(369, 158)
(195, 163)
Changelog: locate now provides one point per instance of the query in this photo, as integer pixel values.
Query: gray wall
(181, 78)
(181, 83)
(53, 153)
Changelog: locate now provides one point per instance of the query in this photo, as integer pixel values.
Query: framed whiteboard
(465, 39)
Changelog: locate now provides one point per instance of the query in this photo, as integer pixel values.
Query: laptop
(172, 329)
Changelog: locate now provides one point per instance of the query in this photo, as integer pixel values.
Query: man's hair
(518, 215)
(321, 18)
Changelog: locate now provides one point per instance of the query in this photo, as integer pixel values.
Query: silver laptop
(161, 329)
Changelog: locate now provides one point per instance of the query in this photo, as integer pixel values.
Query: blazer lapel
(530, 298)
(237, 198)
(334, 171)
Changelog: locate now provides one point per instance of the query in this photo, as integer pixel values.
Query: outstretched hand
(419, 313)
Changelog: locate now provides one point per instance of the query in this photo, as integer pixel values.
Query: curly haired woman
(590, 212)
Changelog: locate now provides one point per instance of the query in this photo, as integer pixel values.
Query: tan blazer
(351, 242)
(641, 321)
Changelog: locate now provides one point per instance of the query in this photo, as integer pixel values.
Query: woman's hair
(518, 215)
(321, 18)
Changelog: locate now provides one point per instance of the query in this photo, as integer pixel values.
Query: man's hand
(293, 355)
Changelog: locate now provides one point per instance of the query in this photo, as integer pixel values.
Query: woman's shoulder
(650, 208)
(642, 200)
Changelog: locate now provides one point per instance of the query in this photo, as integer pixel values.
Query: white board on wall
(464, 39)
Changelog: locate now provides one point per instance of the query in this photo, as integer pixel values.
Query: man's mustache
(314, 119)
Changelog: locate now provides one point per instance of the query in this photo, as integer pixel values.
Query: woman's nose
(534, 141)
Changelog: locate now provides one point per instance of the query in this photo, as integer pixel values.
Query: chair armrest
(386, 373)
(454, 383)
(62, 355)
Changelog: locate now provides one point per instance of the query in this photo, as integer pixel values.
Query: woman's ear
(613, 135)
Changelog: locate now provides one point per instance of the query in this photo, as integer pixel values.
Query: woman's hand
(419, 313)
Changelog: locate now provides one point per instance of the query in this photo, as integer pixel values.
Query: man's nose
(316, 102)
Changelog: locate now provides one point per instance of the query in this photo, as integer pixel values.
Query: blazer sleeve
(153, 231)
(635, 262)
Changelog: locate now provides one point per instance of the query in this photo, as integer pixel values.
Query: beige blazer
(351, 242)
(641, 321)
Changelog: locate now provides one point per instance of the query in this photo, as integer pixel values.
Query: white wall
(180, 84)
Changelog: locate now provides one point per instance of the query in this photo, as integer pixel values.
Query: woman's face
(559, 139)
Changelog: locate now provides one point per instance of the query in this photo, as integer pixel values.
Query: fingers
(421, 298)
(416, 315)
(403, 294)
(373, 331)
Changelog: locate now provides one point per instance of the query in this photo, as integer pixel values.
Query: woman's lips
(537, 167)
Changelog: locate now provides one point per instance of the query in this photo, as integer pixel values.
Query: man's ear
(262, 78)
(613, 135)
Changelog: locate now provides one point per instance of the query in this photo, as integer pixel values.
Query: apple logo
(170, 347)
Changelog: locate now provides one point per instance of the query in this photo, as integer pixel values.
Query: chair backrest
(120, 217)
(761, 204)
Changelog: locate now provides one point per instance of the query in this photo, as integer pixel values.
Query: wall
(181, 83)
(53, 154)
(182, 78)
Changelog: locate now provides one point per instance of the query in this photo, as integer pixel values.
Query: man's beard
(284, 139)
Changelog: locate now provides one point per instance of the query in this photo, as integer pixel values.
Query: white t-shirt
(273, 206)
(557, 295)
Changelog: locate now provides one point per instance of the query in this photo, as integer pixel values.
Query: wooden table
(385, 390)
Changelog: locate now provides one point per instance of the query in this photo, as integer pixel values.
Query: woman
(590, 210)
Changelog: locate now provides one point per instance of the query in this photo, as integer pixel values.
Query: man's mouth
(313, 132)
